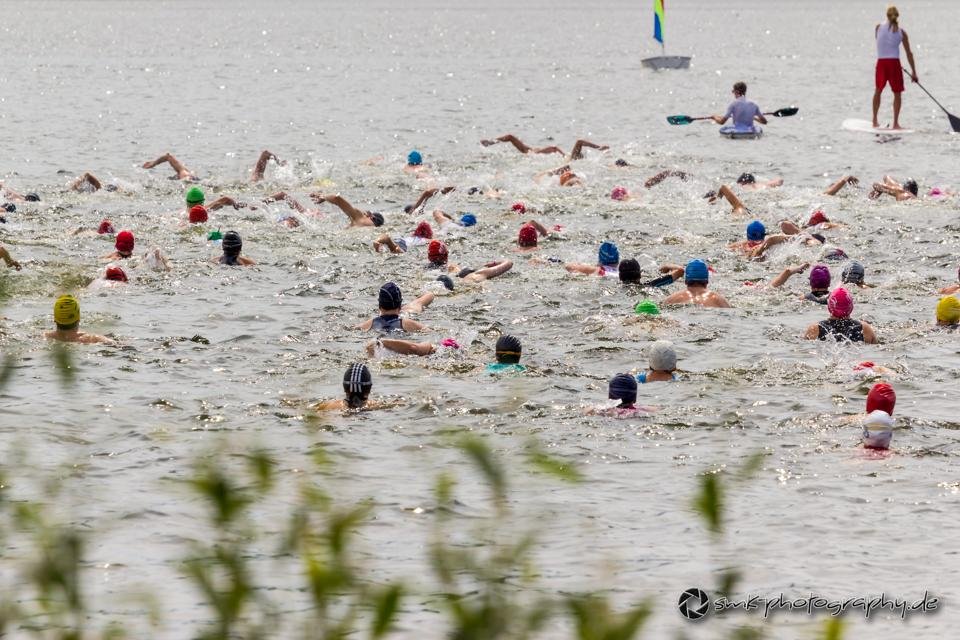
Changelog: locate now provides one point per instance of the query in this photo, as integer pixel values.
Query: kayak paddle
(779, 113)
(954, 120)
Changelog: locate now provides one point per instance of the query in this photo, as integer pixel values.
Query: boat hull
(667, 62)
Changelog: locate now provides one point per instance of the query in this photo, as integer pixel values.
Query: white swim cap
(662, 356)
(877, 430)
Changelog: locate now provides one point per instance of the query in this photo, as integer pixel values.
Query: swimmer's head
(619, 193)
(194, 196)
(124, 243)
(877, 430)
(820, 277)
(414, 159)
(508, 349)
(105, 227)
(629, 270)
(198, 214)
(740, 88)
(833, 254)
(519, 207)
(232, 243)
(608, 255)
(357, 383)
(819, 237)
(948, 310)
(853, 273)
(621, 163)
(911, 186)
(376, 218)
(468, 220)
(623, 387)
(9, 207)
(817, 217)
(390, 298)
(881, 396)
(840, 303)
(756, 231)
(663, 357)
(696, 273)
(527, 237)
(447, 282)
(31, 197)
(423, 230)
(647, 307)
(710, 194)
(66, 313)
(112, 188)
(437, 253)
(566, 177)
(116, 273)
(746, 178)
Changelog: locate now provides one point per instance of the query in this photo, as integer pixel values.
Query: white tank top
(888, 42)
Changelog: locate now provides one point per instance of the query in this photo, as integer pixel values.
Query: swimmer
(906, 191)
(877, 430)
(261, 166)
(953, 288)
(748, 182)
(232, 244)
(357, 384)
(445, 221)
(66, 315)
(819, 281)
(817, 219)
(629, 271)
(196, 197)
(426, 195)
(123, 244)
(390, 301)
(410, 348)
(523, 148)
(697, 277)
(736, 205)
(653, 181)
(881, 397)
(622, 387)
(948, 312)
(155, 260)
(421, 236)
(608, 262)
(743, 111)
(10, 194)
(840, 325)
(197, 214)
(88, 183)
(663, 363)
(837, 186)
(528, 235)
(293, 203)
(620, 194)
(414, 162)
(182, 173)
(10, 262)
(357, 217)
(771, 240)
(507, 353)
(646, 308)
(114, 276)
(489, 271)
(756, 233)
(570, 179)
(853, 273)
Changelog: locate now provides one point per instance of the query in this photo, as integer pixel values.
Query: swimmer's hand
(853, 180)
(799, 268)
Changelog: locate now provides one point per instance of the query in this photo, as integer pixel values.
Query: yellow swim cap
(66, 310)
(948, 310)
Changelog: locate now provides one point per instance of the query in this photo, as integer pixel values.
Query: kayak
(865, 126)
(741, 134)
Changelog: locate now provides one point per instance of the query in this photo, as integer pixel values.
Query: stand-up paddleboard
(734, 134)
(865, 126)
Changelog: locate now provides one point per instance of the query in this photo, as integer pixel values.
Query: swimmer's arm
(579, 267)
(261, 166)
(904, 195)
(247, 262)
(441, 217)
(351, 211)
(542, 230)
(224, 201)
(869, 335)
(5, 255)
(720, 302)
(950, 290)
(330, 405)
(835, 188)
(411, 325)
(407, 347)
(675, 270)
(491, 270)
(813, 332)
(365, 326)
(418, 305)
(786, 273)
(388, 241)
(735, 203)
(578, 146)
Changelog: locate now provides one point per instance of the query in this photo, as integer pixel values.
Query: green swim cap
(648, 307)
(215, 235)
(195, 196)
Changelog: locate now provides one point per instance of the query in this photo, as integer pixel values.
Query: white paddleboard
(733, 134)
(865, 126)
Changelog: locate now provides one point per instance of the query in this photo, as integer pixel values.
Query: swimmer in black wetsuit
(840, 325)
(819, 281)
(390, 301)
(232, 245)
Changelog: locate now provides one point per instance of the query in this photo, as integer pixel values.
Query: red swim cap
(116, 273)
(423, 230)
(198, 214)
(124, 242)
(817, 217)
(527, 236)
(519, 207)
(883, 397)
(437, 252)
(105, 227)
(566, 177)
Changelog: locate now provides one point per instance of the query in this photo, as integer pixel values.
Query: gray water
(105, 86)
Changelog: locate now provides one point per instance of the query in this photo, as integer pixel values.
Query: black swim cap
(9, 207)
(620, 162)
(408, 208)
(911, 186)
(630, 270)
(377, 219)
(623, 387)
(390, 297)
(232, 243)
(819, 236)
(853, 273)
(473, 190)
(357, 383)
(32, 197)
(746, 178)
(111, 187)
(465, 272)
(447, 282)
(508, 349)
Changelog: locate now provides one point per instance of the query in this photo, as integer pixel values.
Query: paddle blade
(787, 111)
(679, 119)
(954, 122)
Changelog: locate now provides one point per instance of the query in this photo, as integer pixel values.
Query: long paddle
(954, 120)
(779, 113)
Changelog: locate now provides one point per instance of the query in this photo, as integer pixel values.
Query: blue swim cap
(414, 158)
(468, 219)
(756, 231)
(696, 271)
(609, 254)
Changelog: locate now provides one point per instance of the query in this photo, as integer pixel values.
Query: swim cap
(195, 196)
(377, 219)
(746, 178)
(817, 217)
(852, 273)
(840, 304)
(437, 252)
(756, 231)
(877, 430)
(447, 282)
(414, 158)
(31, 197)
(608, 255)
(819, 237)
(696, 271)
(630, 270)
(621, 162)
(232, 243)
(519, 207)
(566, 177)
(911, 186)
(647, 307)
(390, 297)
(9, 207)
(357, 383)
(662, 356)
(115, 272)
(623, 387)
(833, 253)
(619, 193)
(527, 236)
(935, 191)
(450, 343)
(105, 227)
(213, 236)
(198, 214)
(468, 220)
(423, 230)
(124, 242)
(948, 310)
(820, 277)
(66, 312)
(881, 396)
(508, 349)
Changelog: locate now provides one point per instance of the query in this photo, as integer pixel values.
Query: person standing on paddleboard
(741, 110)
(889, 38)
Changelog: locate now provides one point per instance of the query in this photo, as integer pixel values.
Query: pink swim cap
(619, 193)
(840, 304)
(935, 191)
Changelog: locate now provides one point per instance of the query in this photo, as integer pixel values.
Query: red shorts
(889, 70)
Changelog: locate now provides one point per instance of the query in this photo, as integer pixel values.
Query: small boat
(741, 134)
(663, 61)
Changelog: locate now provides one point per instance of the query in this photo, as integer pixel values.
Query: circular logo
(694, 603)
